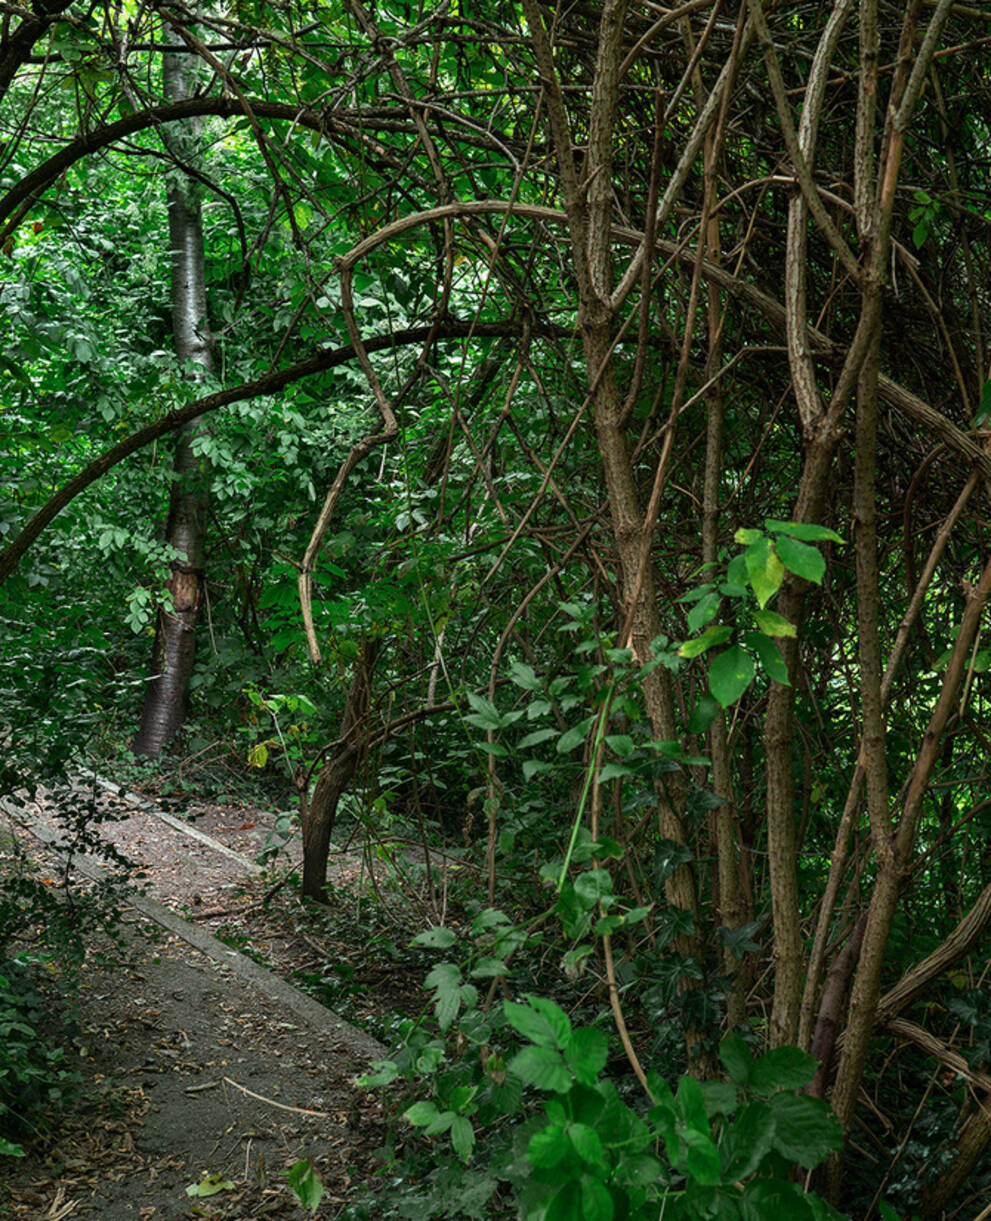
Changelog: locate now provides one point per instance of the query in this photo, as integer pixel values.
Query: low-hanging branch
(269, 383)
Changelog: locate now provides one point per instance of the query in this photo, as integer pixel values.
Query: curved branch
(269, 383)
(21, 197)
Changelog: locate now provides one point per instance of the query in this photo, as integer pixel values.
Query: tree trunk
(174, 650)
(320, 811)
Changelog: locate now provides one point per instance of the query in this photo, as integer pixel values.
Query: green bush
(35, 1082)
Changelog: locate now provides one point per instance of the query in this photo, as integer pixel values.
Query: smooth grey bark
(175, 639)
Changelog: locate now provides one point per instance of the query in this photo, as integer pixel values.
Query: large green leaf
(765, 572)
(801, 559)
(730, 674)
(746, 1141)
(542, 1067)
(719, 633)
(770, 656)
(784, 1068)
(737, 1058)
(540, 1021)
(805, 1129)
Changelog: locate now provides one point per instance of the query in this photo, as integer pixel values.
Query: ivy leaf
(731, 674)
(801, 559)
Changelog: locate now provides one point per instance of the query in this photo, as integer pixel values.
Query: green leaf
(773, 624)
(614, 771)
(440, 1124)
(701, 1161)
(621, 744)
(703, 714)
(463, 1137)
(689, 1105)
(717, 634)
(747, 1141)
(737, 1058)
(747, 538)
(488, 968)
(523, 676)
(784, 1068)
(806, 531)
(730, 674)
(575, 736)
(983, 417)
(565, 1204)
(703, 610)
(586, 1143)
(593, 886)
(486, 714)
(805, 1129)
(587, 1053)
(769, 656)
(763, 1198)
(436, 938)
(210, 1185)
(597, 1203)
(542, 1067)
(765, 570)
(548, 1147)
(540, 1021)
(421, 1113)
(306, 1185)
(533, 767)
(386, 1072)
(801, 559)
(538, 736)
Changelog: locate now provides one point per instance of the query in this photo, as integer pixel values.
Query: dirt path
(196, 1069)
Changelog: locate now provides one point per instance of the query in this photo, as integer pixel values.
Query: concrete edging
(273, 986)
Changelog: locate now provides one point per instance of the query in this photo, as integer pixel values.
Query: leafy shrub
(34, 1080)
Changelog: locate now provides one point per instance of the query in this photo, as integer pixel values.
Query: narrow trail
(199, 1065)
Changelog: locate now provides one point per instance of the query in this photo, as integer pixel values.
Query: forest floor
(193, 1075)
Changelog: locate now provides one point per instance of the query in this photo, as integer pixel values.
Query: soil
(192, 1075)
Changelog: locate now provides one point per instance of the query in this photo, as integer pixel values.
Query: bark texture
(175, 641)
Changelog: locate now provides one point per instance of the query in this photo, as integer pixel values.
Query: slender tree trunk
(320, 810)
(174, 650)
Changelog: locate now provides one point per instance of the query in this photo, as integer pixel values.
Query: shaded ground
(190, 1071)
